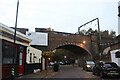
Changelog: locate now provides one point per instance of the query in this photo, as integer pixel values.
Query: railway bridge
(80, 45)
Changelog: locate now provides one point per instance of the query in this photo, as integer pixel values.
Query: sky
(60, 15)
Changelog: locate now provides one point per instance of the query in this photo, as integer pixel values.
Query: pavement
(49, 73)
(41, 74)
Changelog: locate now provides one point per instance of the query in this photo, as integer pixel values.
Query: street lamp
(84, 42)
(49, 58)
(64, 57)
(16, 20)
(13, 69)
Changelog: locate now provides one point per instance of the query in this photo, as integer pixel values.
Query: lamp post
(13, 69)
(16, 20)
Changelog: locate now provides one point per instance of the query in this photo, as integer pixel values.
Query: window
(90, 62)
(110, 65)
(119, 11)
(117, 54)
(39, 61)
(7, 60)
(34, 58)
(9, 53)
(30, 57)
(20, 58)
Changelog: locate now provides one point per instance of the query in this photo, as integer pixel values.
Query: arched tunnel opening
(73, 52)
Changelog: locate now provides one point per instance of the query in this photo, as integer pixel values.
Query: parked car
(106, 69)
(88, 65)
(61, 63)
(51, 63)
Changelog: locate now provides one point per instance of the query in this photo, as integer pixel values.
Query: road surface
(69, 71)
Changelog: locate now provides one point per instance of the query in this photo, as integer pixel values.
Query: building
(12, 55)
(22, 30)
(115, 48)
(18, 58)
(119, 18)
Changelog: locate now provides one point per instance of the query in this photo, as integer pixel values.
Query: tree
(83, 32)
(47, 54)
(90, 31)
(113, 34)
(58, 55)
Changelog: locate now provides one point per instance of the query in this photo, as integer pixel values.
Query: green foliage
(53, 56)
(57, 55)
(112, 33)
(90, 31)
(47, 54)
(83, 32)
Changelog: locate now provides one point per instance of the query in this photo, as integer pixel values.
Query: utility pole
(16, 21)
(13, 69)
(99, 34)
(99, 42)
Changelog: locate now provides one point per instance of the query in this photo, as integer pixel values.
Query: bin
(56, 67)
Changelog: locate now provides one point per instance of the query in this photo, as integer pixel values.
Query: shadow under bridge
(75, 52)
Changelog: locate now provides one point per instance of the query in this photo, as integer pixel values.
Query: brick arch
(82, 48)
(57, 39)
